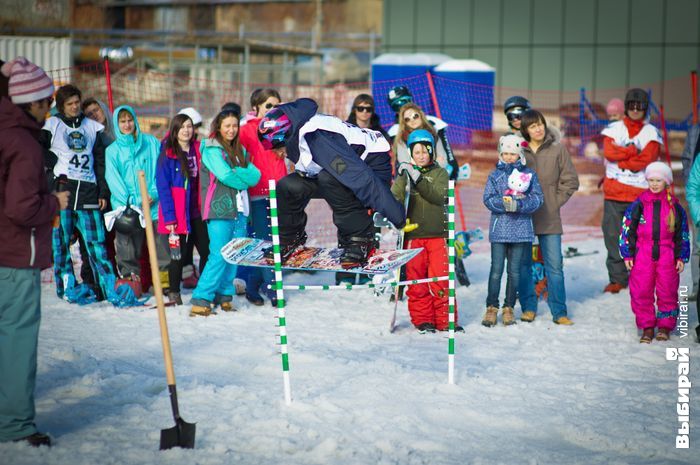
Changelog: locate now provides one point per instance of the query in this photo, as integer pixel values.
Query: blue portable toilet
(403, 69)
(465, 94)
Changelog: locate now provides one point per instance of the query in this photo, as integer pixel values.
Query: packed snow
(530, 393)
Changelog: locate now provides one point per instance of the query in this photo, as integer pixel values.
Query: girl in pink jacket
(654, 244)
(271, 166)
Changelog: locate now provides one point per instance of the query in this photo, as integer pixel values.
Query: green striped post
(279, 287)
(351, 287)
(451, 255)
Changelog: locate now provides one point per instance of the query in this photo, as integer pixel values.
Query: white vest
(372, 141)
(73, 147)
(617, 131)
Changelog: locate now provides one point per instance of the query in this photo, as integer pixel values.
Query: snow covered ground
(527, 394)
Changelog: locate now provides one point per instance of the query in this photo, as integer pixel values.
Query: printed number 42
(76, 161)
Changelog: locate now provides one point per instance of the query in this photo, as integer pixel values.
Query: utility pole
(316, 43)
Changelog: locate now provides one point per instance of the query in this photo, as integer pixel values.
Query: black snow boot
(356, 251)
(286, 248)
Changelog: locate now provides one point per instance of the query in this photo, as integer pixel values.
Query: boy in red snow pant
(428, 303)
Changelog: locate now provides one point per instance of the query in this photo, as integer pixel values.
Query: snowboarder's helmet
(422, 136)
(398, 97)
(128, 222)
(637, 96)
(274, 129)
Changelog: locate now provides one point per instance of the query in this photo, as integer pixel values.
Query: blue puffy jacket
(509, 227)
(124, 158)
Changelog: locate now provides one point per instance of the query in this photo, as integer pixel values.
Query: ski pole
(451, 301)
(279, 287)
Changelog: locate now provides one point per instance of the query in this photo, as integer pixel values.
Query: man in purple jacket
(27, 209)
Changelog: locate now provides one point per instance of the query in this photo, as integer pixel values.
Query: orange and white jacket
(629, 146)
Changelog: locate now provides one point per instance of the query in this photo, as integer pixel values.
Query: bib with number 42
(73, 148)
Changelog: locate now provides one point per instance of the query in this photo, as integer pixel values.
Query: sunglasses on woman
(408, 119)
(364, 109)
(269, 105)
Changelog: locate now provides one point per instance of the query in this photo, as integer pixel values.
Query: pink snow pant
(645, 277)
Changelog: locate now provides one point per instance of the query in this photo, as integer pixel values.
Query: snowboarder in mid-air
(347, 166)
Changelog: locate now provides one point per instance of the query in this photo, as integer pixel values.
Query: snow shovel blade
(180, 435)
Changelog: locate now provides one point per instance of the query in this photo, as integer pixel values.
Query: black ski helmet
(398, 97)
(637, 95)
(128, 222)
(515, 101)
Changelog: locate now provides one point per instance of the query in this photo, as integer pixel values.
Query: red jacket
(627, 158)
(270, 166)
(27, 208)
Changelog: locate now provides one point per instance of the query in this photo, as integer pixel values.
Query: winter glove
(382, 283)
(510, 204)
(631, 150)
(381, 221)
(411, 170)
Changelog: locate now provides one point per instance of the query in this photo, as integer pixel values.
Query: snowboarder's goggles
(515, 113)
(638, 106)
(364, 109)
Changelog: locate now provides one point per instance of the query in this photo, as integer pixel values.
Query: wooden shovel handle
(157, 287)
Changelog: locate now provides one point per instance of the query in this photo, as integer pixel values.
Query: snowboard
(572, 252)
(246, 251)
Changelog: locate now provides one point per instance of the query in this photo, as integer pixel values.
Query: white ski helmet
(193, 115)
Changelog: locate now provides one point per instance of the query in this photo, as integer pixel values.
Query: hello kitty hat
(511, 143)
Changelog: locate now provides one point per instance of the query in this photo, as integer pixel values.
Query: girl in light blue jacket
(132, 151)
(225, 177)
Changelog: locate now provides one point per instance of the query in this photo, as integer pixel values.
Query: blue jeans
(550, 245)
(20, 313)
(500, 252)
(216, 282)
(256, 277)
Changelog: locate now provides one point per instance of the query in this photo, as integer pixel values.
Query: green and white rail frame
(280, 287)
(279, 291)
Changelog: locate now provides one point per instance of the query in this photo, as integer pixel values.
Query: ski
(572, 252)
(399, 246)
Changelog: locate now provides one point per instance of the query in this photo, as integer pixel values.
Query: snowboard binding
(286, 248)
(356, 251)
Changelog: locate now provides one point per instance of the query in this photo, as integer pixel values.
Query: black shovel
(182, 434)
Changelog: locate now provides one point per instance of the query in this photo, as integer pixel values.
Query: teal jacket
(220, 181)
(692, 191)
(124, 158)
